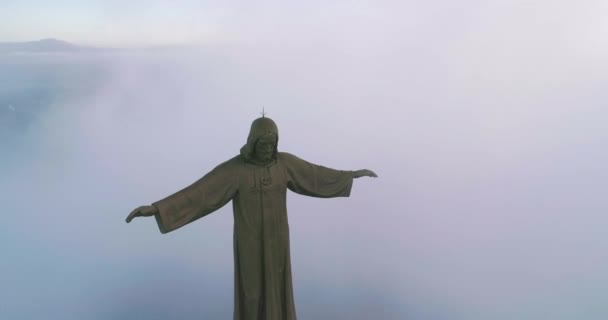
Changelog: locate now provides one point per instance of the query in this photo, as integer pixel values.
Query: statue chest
(270, 180)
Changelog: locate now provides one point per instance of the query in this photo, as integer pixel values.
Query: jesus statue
(256, 181)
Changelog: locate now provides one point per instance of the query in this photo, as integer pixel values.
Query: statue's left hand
(143, 211)
(364, 173)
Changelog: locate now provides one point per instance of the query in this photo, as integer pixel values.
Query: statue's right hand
(143, 211)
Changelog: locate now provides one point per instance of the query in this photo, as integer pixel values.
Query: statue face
(264, 147)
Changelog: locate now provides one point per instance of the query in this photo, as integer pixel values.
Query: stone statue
(256, 181)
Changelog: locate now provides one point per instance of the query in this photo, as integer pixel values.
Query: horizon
(133, 46)
(142, 23)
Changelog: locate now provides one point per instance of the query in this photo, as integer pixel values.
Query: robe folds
(262, 268)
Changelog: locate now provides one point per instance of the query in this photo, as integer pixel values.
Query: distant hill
(44, 46)
(51, 45)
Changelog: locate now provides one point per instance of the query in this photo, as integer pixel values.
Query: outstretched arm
(203, 197)
(318, 181)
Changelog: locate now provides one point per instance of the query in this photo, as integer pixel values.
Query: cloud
(484, 124)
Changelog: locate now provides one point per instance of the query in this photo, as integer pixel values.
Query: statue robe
(262, 268)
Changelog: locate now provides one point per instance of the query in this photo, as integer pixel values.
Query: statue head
(261, 146)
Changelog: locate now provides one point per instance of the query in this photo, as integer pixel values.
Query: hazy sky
(158, 22)
(139, 22)
(485, 120)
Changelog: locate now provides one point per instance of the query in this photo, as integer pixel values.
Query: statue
(256, 181)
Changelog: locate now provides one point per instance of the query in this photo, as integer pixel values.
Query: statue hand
(364, 173)
(143, 211)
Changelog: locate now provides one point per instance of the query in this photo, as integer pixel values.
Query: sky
(138, 22)
(485, 121)
(135, 23)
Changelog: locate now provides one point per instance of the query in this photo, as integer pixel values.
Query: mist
(484, 122)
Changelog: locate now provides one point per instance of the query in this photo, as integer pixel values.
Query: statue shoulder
(286, 156)
(289, 158)
(230, 163)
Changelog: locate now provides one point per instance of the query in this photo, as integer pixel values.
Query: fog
(486, 124)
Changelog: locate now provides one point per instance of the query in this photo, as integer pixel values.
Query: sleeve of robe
(314, 180)
(201, 198)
